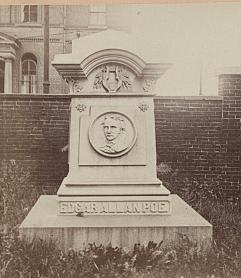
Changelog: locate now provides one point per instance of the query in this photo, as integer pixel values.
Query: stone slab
(44, 222)
(122, 189)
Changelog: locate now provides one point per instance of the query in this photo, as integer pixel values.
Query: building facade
(22, 40)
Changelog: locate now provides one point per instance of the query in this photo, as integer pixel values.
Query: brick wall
(230, 89)
(199, 136)
(34, 131)
(189, 134)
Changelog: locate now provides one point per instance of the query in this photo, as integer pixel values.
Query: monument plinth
(112, 182)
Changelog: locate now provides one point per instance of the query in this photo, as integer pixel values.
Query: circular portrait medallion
(112, 134)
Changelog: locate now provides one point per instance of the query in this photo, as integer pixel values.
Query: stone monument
(111, 193)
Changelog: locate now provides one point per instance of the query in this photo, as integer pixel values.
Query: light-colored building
(22, 40)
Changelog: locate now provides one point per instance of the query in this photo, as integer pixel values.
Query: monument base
(76, 231)
(112, 188)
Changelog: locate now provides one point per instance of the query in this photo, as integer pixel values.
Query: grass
(19, 258)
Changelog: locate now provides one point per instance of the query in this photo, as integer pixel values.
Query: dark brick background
(34, 129)
(199, 136)
(230, 89)
(189, 134)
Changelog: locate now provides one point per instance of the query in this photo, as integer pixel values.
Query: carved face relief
(112, 134)
(113, 127)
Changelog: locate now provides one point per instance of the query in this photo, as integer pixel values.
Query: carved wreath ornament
(112, 78)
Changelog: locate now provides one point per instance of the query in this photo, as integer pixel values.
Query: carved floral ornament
(148, 85)
(112, 78)
(75, 85)
(143, 106)
(81, 107)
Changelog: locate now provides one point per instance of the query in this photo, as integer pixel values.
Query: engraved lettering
(162, 207)
(118, 207)
(154, 207)
(63, 207)
(128, 207)
(137, 207)
(112, 207)
(146, 207)
(78, 207)
(94, 207)
(71, 207)
(87, 207)
(105, 207)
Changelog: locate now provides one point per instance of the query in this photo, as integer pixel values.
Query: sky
(195, 38)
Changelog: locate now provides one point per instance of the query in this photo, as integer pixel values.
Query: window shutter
(33, 84)
(22, 13)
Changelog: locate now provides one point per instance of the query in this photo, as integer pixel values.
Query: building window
(97, 15)
(30, 13)
(28, 74)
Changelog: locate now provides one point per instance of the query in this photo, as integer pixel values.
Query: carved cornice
(7, 55)
(8, 46)
(71, 68)
(9, 40)
(96, 60)
(105, 56)
(34, 39)
(69, 71)
(155, 70)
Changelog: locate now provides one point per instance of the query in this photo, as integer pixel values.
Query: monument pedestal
(72, 231)
(111, 193)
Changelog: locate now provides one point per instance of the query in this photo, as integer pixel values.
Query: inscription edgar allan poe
(119, 207)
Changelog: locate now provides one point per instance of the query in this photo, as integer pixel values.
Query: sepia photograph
(120, 139)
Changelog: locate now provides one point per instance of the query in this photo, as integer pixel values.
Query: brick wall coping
(69, 96)
(219, 98)
(39, 96)
(233, 70)
(61, 96)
